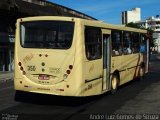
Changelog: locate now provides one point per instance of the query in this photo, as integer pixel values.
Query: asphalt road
(137, 99)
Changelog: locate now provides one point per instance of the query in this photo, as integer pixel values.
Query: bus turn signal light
(68, 71)
(21, 68)
(19, 63)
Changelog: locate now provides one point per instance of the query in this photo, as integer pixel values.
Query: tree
(150, 37)
(133, 25)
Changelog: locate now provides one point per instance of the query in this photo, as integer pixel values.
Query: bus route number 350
(31, 68)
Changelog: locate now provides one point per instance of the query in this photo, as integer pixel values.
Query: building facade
(6, 51)
(153, 23)
(11, 10)
(39, 2)
(131, 16)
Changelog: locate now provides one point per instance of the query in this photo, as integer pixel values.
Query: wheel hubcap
(141, 72)
(114, 83)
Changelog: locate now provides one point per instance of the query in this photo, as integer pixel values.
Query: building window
(116, 43)
(93, 43)
(127, 43)
(136, 42)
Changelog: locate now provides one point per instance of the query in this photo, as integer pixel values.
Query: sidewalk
(6, 76)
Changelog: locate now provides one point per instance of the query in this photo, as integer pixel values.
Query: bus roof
(86, 22)
(112, 26)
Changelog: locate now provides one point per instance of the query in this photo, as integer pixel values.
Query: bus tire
(114, 83)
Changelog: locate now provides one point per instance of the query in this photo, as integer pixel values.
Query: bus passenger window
(47, 34)
(93, 43)
(127, 43)
(116, 43)
(142, 43)
(136, 42)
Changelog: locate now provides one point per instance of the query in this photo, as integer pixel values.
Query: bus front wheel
(114, 84)
(142, 72)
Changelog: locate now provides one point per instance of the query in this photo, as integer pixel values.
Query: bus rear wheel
(114, 84)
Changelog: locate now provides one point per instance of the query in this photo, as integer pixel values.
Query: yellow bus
(68, 56)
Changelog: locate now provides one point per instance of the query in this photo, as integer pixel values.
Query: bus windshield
(47, 34)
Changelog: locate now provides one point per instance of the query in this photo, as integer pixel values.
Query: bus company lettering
(28, 58)
(91, 68)
(88, 87)
(44, 82)
(55, 70)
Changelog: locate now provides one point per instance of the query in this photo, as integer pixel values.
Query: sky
(110, 10)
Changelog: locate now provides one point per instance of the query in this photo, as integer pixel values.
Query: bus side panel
(127, 65)
(134, 67)
(77, 76)
(116, 64)
(91, 71)
(93, 78)
(17, 73)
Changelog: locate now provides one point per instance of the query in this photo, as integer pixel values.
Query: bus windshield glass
(47, 34)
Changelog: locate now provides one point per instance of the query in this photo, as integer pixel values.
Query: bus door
(106, 34)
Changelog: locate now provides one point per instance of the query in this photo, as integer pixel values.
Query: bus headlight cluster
(21, 68)
(68, 71)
